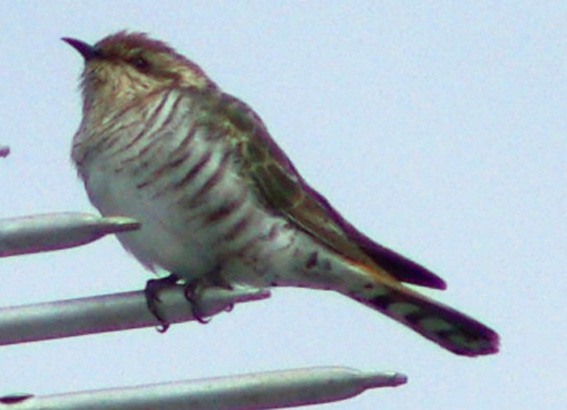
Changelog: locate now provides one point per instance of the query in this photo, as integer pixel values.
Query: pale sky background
(439, 130)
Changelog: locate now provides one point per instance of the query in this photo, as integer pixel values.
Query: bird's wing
(284, 191)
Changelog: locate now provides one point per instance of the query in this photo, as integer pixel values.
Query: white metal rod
(259, 391)
(47, 232)
(112, 313)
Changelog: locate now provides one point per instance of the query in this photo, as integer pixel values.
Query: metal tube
(251, 392)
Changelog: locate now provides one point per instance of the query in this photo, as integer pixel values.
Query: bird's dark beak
(87, 51)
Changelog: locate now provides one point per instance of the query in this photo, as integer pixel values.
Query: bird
(220, 203)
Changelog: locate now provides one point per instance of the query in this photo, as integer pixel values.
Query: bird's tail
(441, 324)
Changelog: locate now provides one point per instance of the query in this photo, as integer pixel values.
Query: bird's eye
(141, 63)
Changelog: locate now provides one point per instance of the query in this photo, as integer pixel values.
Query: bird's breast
(182, 181)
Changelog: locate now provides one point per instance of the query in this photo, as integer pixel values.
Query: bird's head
(125, 66)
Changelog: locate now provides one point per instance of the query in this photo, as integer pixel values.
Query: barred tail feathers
(441, 324)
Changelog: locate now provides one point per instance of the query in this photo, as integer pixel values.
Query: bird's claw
(151, 291)
(194, 294)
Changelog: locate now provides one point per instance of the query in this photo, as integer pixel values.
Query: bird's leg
(221, 282)
(152, 289)
(194, 293)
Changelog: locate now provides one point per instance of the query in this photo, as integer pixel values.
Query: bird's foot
(194, 294)
(152, 290)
